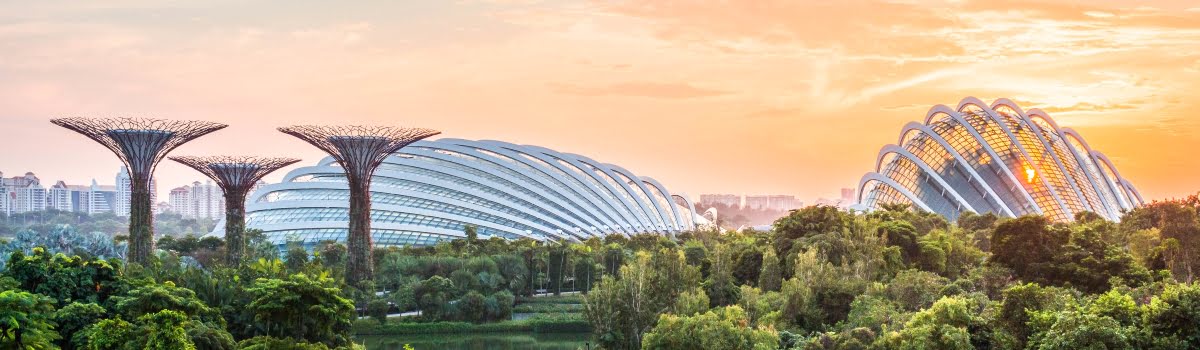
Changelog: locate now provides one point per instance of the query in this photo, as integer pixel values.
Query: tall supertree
(140, 143)
(236, 175)
(359, 150)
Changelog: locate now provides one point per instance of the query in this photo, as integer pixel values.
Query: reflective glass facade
(996, 158)
(431, 190)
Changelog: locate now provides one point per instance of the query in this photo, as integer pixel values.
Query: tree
(771, 278)
(724, 328)
(302, 308)
(72, 319)
(164, 330)
(471, 307)
(720, 285)
(378, 309)
(111, 334)
(807, 221)
(914, 290)
(691, 303)
(26, 321)
(1027, 245)
(945, 325)
(1019, 300)
(1175, 314)
(622, 309)
(155, 297)
(433, 295)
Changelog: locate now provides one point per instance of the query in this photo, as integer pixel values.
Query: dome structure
(430, 191)
(996, 158)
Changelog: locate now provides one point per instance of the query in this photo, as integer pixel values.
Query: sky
(746, 97)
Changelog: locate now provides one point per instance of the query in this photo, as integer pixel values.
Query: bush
(378, 310)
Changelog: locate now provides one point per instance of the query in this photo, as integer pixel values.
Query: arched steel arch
(664, 215)
(387, 174)
(958, 118)
(562, 198)
(585, 196)
(502, 188)
(924, 129)
(385, 189)
(995, 117)
(895, 149)
(1120, 180)
(691, 220)
(1079, 179)
(1033, 128)
(873, 176)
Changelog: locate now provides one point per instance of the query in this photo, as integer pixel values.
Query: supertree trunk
(235, 227)
(141, 222)
(359, 248)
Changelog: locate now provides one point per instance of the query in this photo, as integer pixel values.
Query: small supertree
(236, 175)
(140, 144)
(359, 150)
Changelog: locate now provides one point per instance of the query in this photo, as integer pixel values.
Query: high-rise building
(180, 200)
(779, 202)
(848, 195)
(58, 197)
(199, 200)
(22, 194)
(124, 193)
(98, 199)
(727, 200)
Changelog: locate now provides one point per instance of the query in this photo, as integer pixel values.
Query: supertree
(359, 150)
(140, 143)
(236, 175)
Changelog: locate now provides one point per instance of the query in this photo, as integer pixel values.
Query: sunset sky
(747, 97)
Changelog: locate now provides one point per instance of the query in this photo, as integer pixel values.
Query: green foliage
(111, 334)
(914, 290)
(622, 309)
(154, 297)
(724, 328)
(164, 330)
(771, 277)
(433, 296)
(303, 308)
(1013, 314)
(26, 321)
(378, 310)
(63, 278)
(1060, 255)
(690, 303)
(945, 325)
(269, 343)
(73, 318)
(1176, 314)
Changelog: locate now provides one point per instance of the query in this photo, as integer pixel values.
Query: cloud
(1089, 107)
(638, 89)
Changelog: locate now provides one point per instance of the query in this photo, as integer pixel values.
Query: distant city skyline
(31, 192)
(734, 97)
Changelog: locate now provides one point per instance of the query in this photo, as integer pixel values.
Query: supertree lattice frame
(140, 143)
(236, 175)
(359, 150)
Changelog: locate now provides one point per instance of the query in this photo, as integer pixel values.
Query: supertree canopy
(140, 143)
(359, 150)
(236, 175)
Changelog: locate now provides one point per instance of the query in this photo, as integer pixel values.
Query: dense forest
(821, 278)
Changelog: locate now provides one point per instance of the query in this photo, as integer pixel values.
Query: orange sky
(732, 96)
